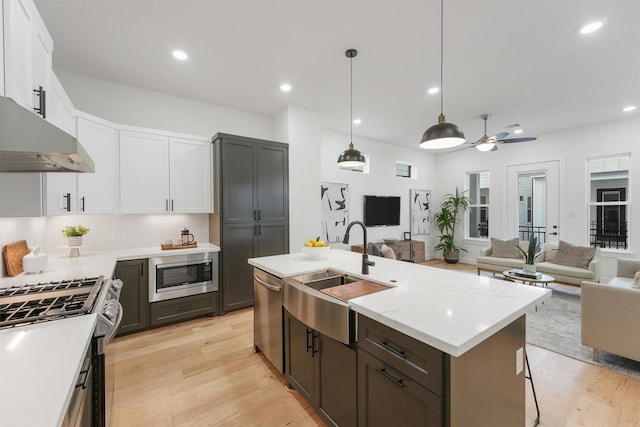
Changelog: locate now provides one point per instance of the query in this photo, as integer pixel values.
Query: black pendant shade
(442, 135)
(351, 157)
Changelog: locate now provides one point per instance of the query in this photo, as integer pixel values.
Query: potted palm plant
(74, 234)
(530, 254)
(446, 221)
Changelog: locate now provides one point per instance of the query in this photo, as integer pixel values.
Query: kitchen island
(475, 323)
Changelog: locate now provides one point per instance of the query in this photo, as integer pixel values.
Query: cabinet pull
(42, 102)
(385, 346)
(396, 381)
(171, 205)
(259, 230)
(166, 205)
(255, 215)
(259, 214)
(309, 346)
(87, 375)
(67, 203)
(142, 269)
(82, 200)
(314, 347)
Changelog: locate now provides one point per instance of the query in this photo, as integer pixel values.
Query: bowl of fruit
(315, 248)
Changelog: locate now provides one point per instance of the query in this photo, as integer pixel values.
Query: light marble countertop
(40, 363)
(450, 310)
(40, 367)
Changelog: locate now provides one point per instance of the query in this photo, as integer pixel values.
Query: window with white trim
(478, 213)
(405, 170)
(609, 204)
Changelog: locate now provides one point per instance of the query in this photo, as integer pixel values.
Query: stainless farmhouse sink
(319, 300)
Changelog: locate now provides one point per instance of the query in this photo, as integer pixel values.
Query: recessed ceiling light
(591, 27)
(517, 131)
(357, 121)
(629, 108)
(180, 55)
(285, 87)
(433, 90)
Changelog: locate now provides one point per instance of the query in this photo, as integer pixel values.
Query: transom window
(609, 202)
(478, 213)
(405, 170)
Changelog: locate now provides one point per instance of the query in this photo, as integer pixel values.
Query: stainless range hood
(29, 143)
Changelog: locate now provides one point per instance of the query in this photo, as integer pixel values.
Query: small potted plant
(530, 254)
(74, 234)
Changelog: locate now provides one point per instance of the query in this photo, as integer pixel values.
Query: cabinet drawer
(183, 308)
(413, 358)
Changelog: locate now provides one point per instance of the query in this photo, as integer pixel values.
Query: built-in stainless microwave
(175, 276)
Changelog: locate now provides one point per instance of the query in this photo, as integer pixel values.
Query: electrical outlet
(519, 360)
(115, 236)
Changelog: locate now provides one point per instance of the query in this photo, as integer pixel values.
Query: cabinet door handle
(396, 381)
(315, 348)
(166, 205)
(259, 230)
(87, 375)
(142, 269)
(309, 345)
(42, 102)
(255, 215)
(171, 205)
(67, 203)
(82, 200)
(259, 214)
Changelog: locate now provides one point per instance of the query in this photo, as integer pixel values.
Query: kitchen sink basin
(303, 298)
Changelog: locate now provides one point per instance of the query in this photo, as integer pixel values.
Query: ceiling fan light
(351, 158)
(486, 146)
(442, 135)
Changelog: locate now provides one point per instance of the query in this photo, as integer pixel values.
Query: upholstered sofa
(544, 262)
(610, 315)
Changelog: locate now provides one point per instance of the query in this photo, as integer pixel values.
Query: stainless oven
(175, 276)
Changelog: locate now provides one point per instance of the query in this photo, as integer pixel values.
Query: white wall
(132, 106)
(380, 181)
(573, 148)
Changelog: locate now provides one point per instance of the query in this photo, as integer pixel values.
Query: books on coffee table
(525, 274)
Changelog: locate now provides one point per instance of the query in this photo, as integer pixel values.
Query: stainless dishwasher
(267, 317)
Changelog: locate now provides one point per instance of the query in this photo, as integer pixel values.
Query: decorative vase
(529, 267)
(74, 240)
(452, 257)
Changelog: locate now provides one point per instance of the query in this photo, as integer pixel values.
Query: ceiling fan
(488, 143)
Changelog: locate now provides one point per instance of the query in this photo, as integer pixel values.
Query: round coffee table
(543, 279)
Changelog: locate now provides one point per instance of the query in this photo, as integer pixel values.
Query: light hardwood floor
(204, 372)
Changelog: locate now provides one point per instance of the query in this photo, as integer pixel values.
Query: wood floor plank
(204, 372)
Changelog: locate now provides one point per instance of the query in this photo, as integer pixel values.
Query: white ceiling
(521, 60)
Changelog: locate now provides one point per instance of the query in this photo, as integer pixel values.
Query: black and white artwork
(335, 210)
(420, 211)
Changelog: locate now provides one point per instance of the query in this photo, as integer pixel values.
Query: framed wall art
(420, 211)
(334, 199)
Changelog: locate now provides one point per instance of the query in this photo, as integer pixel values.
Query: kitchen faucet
(365, 257)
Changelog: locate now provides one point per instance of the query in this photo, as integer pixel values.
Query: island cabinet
(403, 381)
(134, 295)
(323, 370)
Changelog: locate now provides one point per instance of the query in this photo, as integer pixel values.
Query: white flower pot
(74, 240)
(529, 267)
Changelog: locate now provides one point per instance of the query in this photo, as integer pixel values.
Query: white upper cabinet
(87, 193)
(164, 174)
(191, 175)
(60, 110)
(144, 173)
(28, 49)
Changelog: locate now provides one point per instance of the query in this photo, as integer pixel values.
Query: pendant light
(443, 134)
(351, 157)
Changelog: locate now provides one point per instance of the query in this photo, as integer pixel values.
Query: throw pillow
(636, 280)
(387, 252)
(505, 248)
(574, 256)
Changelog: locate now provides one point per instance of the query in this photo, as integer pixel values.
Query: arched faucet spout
(365, 257)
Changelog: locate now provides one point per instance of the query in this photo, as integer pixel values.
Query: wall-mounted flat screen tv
(381, 210)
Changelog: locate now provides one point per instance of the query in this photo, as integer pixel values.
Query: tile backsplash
(106, 232)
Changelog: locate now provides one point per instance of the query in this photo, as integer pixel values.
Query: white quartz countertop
(93, 263)
(40, 366)
(452, 311)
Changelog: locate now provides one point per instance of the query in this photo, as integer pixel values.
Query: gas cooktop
(47, 301)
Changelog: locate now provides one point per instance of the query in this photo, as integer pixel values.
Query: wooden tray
(187, 246)
(13, 253)
(353, 290)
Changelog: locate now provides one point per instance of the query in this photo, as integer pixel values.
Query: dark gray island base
(387, 378)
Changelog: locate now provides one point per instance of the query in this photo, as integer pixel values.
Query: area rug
(556, 326)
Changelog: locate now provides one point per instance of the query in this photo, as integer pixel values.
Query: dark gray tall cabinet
(252, 200)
